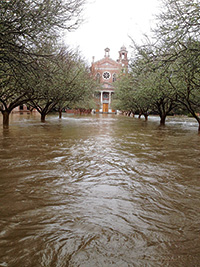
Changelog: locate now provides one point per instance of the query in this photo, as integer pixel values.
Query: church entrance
(105, 107)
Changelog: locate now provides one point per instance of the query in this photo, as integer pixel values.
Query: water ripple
(99, 191)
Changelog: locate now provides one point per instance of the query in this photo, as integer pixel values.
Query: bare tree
(25, 26)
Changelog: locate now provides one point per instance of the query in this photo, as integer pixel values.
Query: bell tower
(107, 51)
(123, 56)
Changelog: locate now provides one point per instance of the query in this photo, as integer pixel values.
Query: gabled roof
(105, 60)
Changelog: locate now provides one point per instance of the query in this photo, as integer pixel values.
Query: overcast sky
(108, 23)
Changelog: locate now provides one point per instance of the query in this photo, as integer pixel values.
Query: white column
(109, 98)
(101, 107)
(109, 102)
(101, 98)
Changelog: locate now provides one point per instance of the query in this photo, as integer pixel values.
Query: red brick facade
(106, 72)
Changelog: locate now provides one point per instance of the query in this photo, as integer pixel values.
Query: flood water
(99, 191)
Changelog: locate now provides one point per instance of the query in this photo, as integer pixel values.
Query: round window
(106, 75)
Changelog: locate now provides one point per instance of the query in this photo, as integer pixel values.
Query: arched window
(97, 95)
(98, 76)
(114, 77)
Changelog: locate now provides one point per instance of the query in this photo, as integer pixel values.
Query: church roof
(105, 60)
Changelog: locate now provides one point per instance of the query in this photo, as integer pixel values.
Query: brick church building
(106, 72)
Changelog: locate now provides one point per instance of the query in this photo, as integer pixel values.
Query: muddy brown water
(99, 190)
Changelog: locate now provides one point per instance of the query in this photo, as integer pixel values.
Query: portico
(105, 101)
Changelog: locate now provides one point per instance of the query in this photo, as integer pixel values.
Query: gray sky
(108, 23)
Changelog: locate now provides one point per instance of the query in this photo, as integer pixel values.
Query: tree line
(35, 68)
(164, 73)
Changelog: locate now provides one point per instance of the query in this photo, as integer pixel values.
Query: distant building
(106, 72)
(23, 108)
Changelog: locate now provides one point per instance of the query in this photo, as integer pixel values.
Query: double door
(105, 107)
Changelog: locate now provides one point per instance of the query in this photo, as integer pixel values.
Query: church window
(97, 95)
(114, 77)
(98, 76)
(106, 75)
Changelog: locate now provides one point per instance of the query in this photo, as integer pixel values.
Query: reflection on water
(99, 191)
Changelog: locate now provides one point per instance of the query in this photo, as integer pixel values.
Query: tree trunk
(43, 116)
(140, 114)
(5, 119)
(199, 127)
(162, 119)
(197, 118)
(60, 113)
(146, 117)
